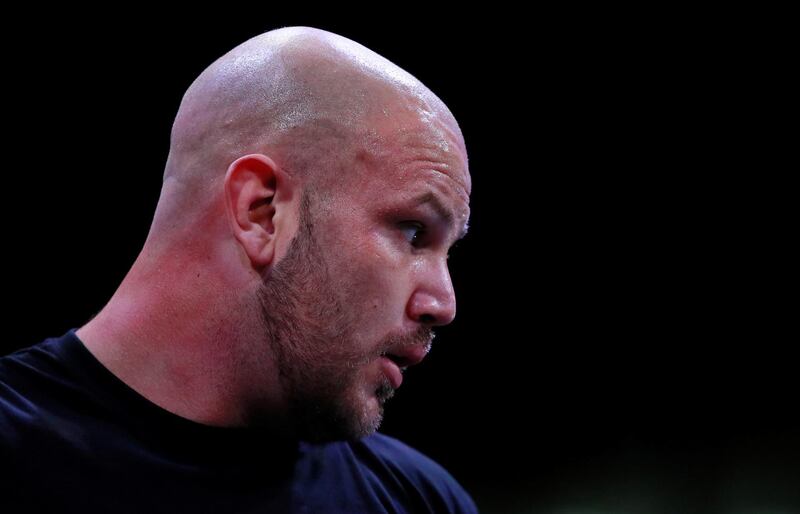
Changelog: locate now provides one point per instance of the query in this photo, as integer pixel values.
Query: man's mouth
(391, 368)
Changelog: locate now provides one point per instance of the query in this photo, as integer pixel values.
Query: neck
(189, 342)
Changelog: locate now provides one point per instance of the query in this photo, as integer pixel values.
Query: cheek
(372, 271)
(378, 284)
(371, 287)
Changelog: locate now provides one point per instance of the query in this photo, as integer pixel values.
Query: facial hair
(310, 326)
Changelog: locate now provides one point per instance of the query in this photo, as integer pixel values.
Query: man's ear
(259, 206)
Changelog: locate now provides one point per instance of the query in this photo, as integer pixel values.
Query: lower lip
(392, 372)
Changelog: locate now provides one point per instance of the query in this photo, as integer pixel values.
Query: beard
(310, 323)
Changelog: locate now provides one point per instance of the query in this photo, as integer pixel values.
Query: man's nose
(433, 301)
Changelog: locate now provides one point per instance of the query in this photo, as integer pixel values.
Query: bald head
(301, 94)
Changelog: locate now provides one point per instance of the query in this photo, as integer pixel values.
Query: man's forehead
(402, 149)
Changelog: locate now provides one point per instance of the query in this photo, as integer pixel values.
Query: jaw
(348, 408)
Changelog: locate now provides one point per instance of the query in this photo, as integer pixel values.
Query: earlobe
(254, 187)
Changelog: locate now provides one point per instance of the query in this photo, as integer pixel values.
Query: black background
(623, 338)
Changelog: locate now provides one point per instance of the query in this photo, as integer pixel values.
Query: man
(295, 266)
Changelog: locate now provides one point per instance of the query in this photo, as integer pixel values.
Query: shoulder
(415, 471)
(43, 359)
(21, 373)
(34, 373)
(39, 392)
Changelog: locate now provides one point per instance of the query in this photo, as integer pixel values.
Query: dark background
(623, 338)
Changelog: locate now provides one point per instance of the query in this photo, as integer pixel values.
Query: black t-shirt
(75, 438)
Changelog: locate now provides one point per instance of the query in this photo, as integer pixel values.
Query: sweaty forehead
(405, 142)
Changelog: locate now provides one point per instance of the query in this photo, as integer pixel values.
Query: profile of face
(357, 294)
(314, 331)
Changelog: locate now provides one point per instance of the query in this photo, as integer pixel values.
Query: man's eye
(414, 232)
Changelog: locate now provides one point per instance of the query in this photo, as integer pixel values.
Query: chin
(347, 418)
(342, 431)
(365, 416)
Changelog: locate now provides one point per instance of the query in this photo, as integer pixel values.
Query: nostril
(427, 318)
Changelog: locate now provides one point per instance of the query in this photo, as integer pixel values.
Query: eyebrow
(441, 210)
